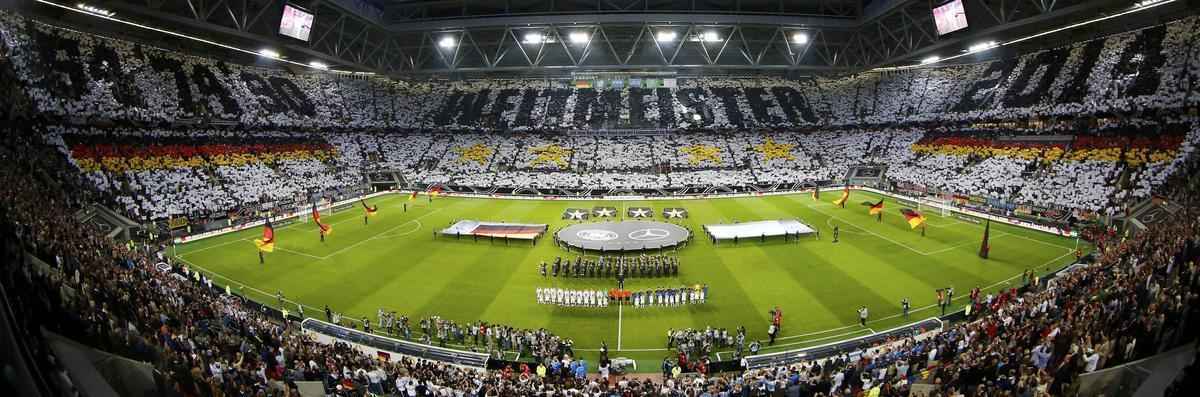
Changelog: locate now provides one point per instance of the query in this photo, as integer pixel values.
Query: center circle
(627, 235)
(597, 235)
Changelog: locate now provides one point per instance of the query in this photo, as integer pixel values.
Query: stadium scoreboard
(295, 22)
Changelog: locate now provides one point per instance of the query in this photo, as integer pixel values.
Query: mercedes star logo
(648, 234)
(639, 212)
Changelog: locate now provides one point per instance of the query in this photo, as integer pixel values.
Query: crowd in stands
(156, 174)
(111, 296)
(72, 74)
(1139, 298)
(695, 346)
(799, 131)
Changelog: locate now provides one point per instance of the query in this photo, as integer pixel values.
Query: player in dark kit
(835, 234)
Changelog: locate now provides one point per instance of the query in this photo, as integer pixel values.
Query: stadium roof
(410, 38)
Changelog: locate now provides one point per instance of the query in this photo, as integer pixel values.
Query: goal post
(943, 207)
(940, 206)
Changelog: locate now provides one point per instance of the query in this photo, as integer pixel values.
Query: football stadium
(600, 198)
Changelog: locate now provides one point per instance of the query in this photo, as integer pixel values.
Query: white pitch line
(212, 246)
(771, 347)
(419, 226)
(817, 333)
(998, 235)
(993, 285)
(620, 316)
(829, 222)
(243, 285)
(870, 232)
(298, 253)
(331, 254)
(284, 227)
(619, 313)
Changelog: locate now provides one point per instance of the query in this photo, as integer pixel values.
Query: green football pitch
(396, 263)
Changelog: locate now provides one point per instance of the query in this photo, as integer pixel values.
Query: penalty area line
(364, 241)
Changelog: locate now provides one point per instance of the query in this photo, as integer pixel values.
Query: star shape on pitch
(639, 212)
(674, 213)
(576, 214)
(604, 212)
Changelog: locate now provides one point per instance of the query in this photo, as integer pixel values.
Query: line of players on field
(685, 295)
(572, 298)
(693, 295)
(613, 266)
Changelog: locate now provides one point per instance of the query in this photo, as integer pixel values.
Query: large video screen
(295, 23)
(950, 17)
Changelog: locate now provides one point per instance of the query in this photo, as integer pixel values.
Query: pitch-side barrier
(853, 348)
(389, 348)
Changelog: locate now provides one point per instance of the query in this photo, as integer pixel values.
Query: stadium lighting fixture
(710, 36)
(446, 42)
(578, 37)
(1139, 6)
(800, 38)
(168, 32)
(980, 47)
(929, 60)
(95, 10)
(318, 65)
(696, 116)
(269, 53)
(533, 38)
(665, 35)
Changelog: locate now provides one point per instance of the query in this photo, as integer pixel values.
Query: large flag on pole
(371, 210)
(876, 208)
(316, 216)
(914, 218)
(984, 247)
(267, 242)
(841, 201)
(412, 196)
(816, 194)
(433, 193)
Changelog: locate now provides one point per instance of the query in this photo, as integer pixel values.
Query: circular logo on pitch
(597, 235)
(649, 234)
